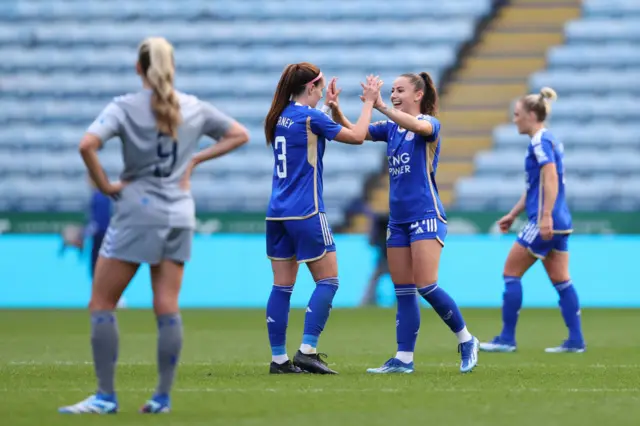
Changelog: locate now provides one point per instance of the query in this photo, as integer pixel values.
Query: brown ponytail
(292, 83)
(429, 102)
(424, 83)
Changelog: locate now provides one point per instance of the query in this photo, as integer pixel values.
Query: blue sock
(278, 318)
(318, 310)
(511, 304)
(444, 306)
(570, 308)
(408, 317)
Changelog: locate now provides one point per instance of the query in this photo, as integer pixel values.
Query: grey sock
(104, 343)
(169, 347)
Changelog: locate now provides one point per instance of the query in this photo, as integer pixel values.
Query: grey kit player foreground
(154, 212)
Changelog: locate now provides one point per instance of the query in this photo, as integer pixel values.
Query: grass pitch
(45, 362)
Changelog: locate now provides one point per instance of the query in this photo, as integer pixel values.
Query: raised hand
(331, 99)
(371, 89)
(379, 104)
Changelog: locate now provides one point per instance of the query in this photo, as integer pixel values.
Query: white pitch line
(339, 390)
(187, 363)
(347, 365)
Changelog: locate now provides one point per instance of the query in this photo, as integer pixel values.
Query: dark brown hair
(424, 83)
(539, 104)
(292, 82)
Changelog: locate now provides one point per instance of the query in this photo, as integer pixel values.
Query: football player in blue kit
(546, 234)
(297, 227)
(417, 221)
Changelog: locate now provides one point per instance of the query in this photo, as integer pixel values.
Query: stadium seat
(102, 87)
(621, 55)
(227, 11)
(269, 33)
(65, 60)
(474, 194)
(611, 9)
(602, 83)
(580, 162)
(576, 136)
(602, 30)
(596, 116)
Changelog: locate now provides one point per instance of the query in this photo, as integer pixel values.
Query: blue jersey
(544, 149)
(100, 212)
(298, 147)
(413, 161)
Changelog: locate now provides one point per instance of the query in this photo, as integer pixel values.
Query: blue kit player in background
(154, 213)
(546, 235)
(99, 217)
(297, 227)
(378, 240)
(417, 221)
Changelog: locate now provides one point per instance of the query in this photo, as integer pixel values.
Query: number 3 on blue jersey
(282, 157)
(170, 156)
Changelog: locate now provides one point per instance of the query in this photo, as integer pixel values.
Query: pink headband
(315, 79)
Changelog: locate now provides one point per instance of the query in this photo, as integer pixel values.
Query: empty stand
(595, 74)
(63, 61)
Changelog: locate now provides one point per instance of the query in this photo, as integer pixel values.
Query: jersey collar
(539, 133)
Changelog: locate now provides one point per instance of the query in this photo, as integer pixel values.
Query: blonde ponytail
(540, 104)
(549, 94)
(160, 75)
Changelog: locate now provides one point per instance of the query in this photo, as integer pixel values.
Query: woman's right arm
(234, 136)
(506, 222)
(519, 207)
(356, 134)
(331, 101)
(227, 132)
(339, 117)
(105, 127)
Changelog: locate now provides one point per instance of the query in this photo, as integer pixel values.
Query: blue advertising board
(232, 271)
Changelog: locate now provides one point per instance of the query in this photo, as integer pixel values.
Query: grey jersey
(153, 163)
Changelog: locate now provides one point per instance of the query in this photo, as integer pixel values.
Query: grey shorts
(147, 244)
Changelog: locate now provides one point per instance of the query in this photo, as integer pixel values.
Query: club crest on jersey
(409, 136)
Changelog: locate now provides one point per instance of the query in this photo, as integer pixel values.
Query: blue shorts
(306, 240)
(530, 239)
(403, 234)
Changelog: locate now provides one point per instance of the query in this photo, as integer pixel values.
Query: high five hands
(370, 92)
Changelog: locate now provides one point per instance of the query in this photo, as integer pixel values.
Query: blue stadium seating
(595, 74)
(217, 10)
(575, 136)
(63, 61)
(598, 83)
(611, 8)
(612, 56)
